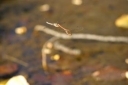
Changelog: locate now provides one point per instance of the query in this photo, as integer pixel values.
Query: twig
(44, 53)
(65, 49)
(58, 35)
(15, 60)
(81, 36)
(57, 46)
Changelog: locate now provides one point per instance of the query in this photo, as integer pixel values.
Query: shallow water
(92, 17)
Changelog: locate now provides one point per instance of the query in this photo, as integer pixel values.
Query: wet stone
(40, 78)
(61, 78)
(109, 73)
(8, 70)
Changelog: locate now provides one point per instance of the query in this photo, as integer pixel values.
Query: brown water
(93, 16)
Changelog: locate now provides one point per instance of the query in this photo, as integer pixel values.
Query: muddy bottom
(91, 17)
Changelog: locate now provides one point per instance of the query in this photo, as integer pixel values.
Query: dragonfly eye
(56, 25)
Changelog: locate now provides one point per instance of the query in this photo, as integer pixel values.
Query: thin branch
(44, 54)
(82, 36)
(65, 49)
(15, 60)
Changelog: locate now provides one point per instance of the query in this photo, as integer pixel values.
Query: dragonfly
(58, 25)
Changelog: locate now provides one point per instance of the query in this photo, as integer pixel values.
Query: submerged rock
(8, 70)
(109, 73)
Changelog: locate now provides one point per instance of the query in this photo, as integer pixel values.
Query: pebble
(17, 80)
(77, 2)
(126, 61)
(45, 7)
(122, 21)
(21, 30)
